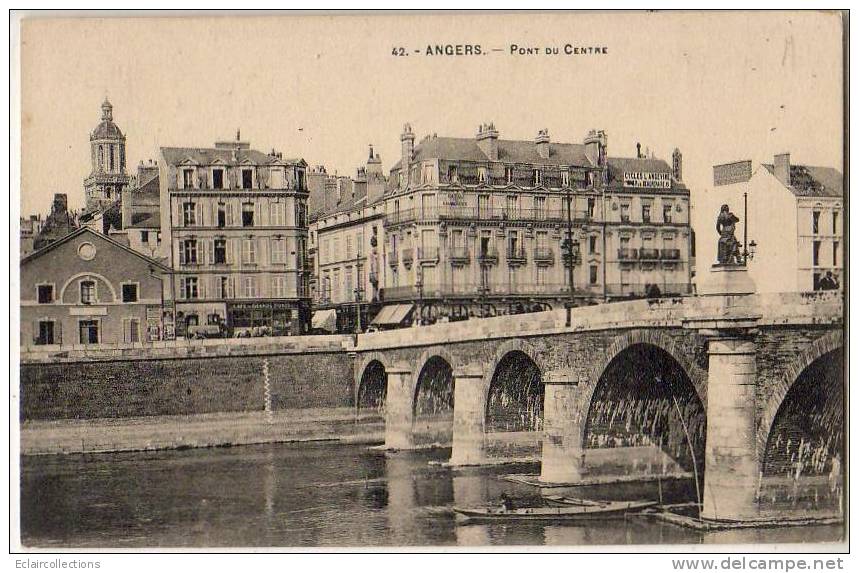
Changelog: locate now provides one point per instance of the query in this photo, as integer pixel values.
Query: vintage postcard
(433, 281)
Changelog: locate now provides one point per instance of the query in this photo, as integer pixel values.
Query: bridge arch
(371, 381)
(829, 344)
(514, 391)
(641, 394)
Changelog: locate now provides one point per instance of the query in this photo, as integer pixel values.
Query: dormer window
(188, 178)
(538, 177)
(508, 174)
(247, 178)
(217, 178)
(452, 174)
(481, 175)
(565, 178)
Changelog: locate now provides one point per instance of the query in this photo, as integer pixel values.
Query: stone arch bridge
(733, 360)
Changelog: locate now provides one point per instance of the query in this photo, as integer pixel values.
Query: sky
(719, 86)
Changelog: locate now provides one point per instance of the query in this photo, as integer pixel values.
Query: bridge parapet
(825, 307)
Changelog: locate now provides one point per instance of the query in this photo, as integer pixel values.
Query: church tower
(104, 185)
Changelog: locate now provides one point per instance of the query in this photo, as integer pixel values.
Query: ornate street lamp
(749, 247)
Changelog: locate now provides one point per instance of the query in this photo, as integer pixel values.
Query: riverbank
(42, 437)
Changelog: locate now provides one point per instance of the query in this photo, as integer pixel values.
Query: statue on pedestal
(729, 247)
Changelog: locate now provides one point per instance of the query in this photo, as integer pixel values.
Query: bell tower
(107, 178)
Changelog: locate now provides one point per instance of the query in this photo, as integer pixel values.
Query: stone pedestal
(469, 415)
(563, 456)
(726, 280)
(730, 483)
(399, 410)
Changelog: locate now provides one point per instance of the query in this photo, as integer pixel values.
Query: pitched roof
(511, 151)
(208, 155)
(145, 221)
(81, 231)
(148, 192)
(813, 181)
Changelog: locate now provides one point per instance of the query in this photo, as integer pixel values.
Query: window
(835, 254)
(541, 275)
(540, 207)
(45, 334)
(188, 178)
(129, 292)
(278, 286)
(144, 236)
(249, 287)
(348, 246)
(222, 215)
(278, 214)
(512, 206)
(835, 222)
(88, 295)
(278, 250)
(592, 244)
(188, 288)
(815, 222)
(452, 175)
(220, 251)
(217, 178)
(188, 252)
(538, 177)
(624, 212)
(189, 214)
(591, 206)
(593, 276)
(88, 332)
(347, 284)
(483, 205)
(542, 239)
(249, 255)
(565, 178)
(300, 213)
(225, 287)
(645, 212)
(247, 178)
(815, 255)
(666, 212)
(277, 180)
(481, 175)
(248, 215)
(131, 330)
(45, 294)
(508, 173)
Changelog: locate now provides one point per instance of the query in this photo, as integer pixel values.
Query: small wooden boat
(570, 513)
(567, 501)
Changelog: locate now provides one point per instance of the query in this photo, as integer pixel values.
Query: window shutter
(198, 215)
(177, 215)
(182, 253)
(231, 286)
(213, 213)
(258, 215)
(228, 208)
(210, 243)
(229, 251)
(263, 248)
(201, 286)
(180, 183)
(228, 176)
(58, 332)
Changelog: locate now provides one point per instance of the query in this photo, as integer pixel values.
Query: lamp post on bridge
(749, 247)
(359, 289)
(570, 249)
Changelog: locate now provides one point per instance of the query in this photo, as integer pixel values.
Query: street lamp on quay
(749, 247)
(359, 289)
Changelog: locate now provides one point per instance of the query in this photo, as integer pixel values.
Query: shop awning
(325, 320)
(393, 314)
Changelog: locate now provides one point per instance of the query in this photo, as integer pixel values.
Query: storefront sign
(260, 306)
(647, 180)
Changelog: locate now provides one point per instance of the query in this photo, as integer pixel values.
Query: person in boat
(506, 502)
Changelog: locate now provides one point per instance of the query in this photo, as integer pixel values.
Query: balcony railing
(488, 256)
(544, 255)
(646, 253)
(625, 254)
(670, 254)
(408, 256)
(516, 255)
(393, 259)
(427, 253)
(476, 290)
(459, 255)
(487, 214)
(645, 290)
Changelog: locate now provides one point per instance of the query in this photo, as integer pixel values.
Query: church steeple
(107, 178)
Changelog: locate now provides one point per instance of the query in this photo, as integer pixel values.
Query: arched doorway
(645, 403)
(373, 387)
(433, 402)
(514, 407)
(802, 463)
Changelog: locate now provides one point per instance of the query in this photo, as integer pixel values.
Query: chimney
(677, 164)
(374, 162)
(542, 142)
(638, 151)
(487, 140)
(596, 147)
(782, 168)
(407, 138)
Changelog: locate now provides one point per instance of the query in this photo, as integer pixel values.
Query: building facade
(234, 228)
(793, 213)
(30, 228)
(485, 226)
(346, 247)
(87, 289)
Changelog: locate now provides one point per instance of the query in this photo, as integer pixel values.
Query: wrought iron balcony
(646, 253)
(427, 253)
(670, 254)
(393, 259)
(488, 256)
(516, 255)
(626, 254)
(544, 255)
(459, 255)
(408, 256)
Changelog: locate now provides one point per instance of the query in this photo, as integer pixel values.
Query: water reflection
(302, 495)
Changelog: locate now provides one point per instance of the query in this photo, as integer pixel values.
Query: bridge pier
(469, 415)
(399, 409)
(563, 455)
(731, 473)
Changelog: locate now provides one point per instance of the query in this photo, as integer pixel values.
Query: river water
(306, 495)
